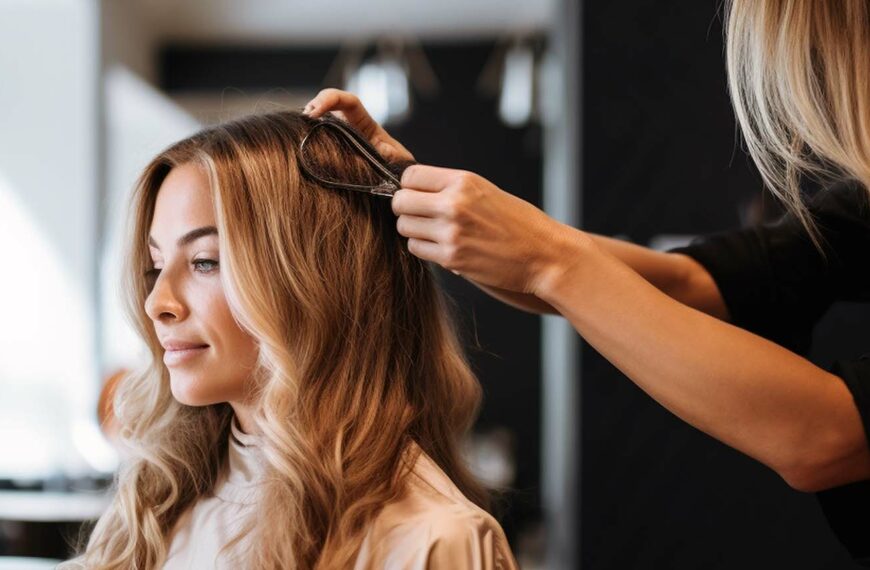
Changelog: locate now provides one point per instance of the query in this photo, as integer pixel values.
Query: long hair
(799, 81)
(357, 359)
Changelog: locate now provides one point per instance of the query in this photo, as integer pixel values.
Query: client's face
(209, 357)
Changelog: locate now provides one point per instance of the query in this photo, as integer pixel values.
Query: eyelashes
(204, 266)
(211, 262)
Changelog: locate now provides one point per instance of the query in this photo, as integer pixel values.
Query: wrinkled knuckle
(463, 178)
(452, 235)
(451, 254)
(448, 208)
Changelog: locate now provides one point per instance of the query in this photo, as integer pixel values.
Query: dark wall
(457, 128)
(660, 156)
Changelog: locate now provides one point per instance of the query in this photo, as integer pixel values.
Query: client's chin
(193, 390)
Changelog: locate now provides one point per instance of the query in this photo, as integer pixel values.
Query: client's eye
(205, 265)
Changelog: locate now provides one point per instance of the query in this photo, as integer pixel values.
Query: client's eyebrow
(190, 236)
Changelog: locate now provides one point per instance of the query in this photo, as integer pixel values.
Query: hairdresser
(714, 331)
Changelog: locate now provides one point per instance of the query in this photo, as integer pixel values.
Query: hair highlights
(357, 359)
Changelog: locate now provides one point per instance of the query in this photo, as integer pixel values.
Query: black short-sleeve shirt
(776, 283)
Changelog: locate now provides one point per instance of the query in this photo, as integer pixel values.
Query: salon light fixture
(517, 96)
(382, 85)
(512, 75)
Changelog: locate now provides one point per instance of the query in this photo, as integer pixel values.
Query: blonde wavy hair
(799, 79)
(358, 358)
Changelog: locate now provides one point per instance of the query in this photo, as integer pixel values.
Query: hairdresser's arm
(750, 393)
(678, 276)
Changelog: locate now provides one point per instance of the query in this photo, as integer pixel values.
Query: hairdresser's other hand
(468, 225)
(348, 107)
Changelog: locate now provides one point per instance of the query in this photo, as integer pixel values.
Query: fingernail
(308, 108)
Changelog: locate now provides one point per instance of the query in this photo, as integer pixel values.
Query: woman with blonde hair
(713, 331)
(306, 393)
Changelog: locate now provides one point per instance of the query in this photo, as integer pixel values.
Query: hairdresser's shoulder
(844, 199)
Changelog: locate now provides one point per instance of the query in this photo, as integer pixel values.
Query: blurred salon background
(611, 115)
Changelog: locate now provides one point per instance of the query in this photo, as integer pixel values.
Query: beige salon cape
(432, 526)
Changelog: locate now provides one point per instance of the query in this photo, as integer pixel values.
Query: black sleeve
(846, 507)
(774, 280)
(777, 284)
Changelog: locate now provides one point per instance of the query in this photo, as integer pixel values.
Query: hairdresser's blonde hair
(357, 359)
(799, 77)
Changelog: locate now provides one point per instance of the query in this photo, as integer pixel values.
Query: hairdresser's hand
(348, 107)
(468, 225)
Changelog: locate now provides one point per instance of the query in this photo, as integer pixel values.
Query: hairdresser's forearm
(678, 276)
(668, 272)
(743, 390)
(522, 301)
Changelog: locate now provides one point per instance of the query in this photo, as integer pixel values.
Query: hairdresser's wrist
(561, 259)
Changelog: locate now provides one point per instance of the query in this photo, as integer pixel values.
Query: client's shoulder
(433, 525)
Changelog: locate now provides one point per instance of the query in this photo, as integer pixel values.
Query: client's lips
(179, 351)
(173, 344)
